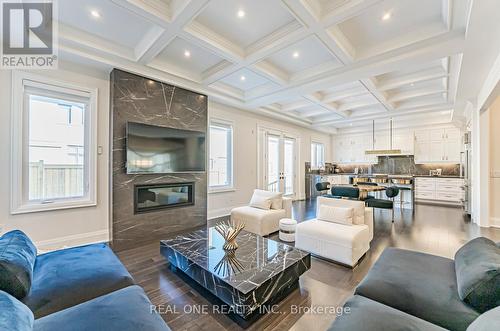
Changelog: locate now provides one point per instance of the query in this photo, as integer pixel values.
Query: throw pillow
(477, 267)
(17, 259)
(333, 214)
(275, 197)
(260, 201)
(14, 315)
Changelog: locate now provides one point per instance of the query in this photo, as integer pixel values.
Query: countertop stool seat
(287, 229)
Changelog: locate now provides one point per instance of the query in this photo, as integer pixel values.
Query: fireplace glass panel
(159, 196)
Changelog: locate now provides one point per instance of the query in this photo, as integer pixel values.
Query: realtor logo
(28, 34)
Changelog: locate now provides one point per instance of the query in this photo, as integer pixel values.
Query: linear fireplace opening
(153, 197)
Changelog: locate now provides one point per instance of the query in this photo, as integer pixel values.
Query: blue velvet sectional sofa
(408, 290)
(82, 288)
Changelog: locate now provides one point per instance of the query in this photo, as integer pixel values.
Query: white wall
(245, 126)
(55, 229)
(494, 182)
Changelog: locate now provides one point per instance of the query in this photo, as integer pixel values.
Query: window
(53, 145)
(221, 156)
(317, 155)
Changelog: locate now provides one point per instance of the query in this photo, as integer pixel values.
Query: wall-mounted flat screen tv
(159, 150)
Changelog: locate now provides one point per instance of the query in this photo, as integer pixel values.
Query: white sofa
(342, 243)
(262, 221)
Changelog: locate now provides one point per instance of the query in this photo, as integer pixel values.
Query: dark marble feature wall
(139, 99)
(402, 165)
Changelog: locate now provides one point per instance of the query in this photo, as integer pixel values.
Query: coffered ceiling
(318, 63)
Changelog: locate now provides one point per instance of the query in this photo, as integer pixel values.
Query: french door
(279, 162)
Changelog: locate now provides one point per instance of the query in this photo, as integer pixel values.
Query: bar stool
(402, 190)
(391, 192)
(321, 187)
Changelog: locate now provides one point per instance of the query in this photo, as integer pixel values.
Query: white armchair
(264, 219)
(343, 241)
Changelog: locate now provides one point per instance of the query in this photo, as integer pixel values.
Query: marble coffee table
(260, 272)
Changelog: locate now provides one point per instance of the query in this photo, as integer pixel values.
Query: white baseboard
(72, 241)
(215, 213)
(495, 222)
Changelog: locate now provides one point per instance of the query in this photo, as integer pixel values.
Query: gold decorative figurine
(229, 232)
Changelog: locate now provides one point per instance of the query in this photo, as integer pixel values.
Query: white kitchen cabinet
(338, 179)
(438, 145)
(440, 190)
(404, 142)
(351, 149)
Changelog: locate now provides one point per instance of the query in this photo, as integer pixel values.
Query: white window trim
(314, 142)
(222, 188)
(19, 205)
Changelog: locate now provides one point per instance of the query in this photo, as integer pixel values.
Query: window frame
(314, 145)
(228, 187)
(20, 202)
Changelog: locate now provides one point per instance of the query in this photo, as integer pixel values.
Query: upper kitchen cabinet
(351, 149)
(438, 145)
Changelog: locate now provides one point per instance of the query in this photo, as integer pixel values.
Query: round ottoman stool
(287, 229)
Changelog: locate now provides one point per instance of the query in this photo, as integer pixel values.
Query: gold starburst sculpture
(229, 231)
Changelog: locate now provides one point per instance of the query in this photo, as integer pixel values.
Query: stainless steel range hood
(382, 152)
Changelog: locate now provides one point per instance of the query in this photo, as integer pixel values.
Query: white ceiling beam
(386, 115)
(157, 12)
(417, 77)
(289, 34)
(83, 40)
(357, 104)
(379, 95)
(427, 50)
(296, 105)
(328, 106)
(417, 93)
(349, 93)
(184, 16)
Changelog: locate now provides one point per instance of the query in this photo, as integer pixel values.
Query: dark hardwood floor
(432, 229)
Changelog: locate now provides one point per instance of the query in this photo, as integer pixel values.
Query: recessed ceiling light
(243, 78)
(386, 16)
(95, 14)
(241, 13)
(187, 53)
(412, 84)
(295, 55)
(150, 82)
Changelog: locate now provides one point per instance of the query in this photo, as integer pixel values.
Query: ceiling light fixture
(240, 13)
(187, 53)
(95, 14)
(386, 16)
(295, 55)
(243, 78)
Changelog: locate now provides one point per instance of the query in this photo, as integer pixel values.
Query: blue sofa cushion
(127, 309)
(71, 276)
(477, 266)
(363, 314)
(17, 258)
(418, 284)
(14, 316)
(487, 321)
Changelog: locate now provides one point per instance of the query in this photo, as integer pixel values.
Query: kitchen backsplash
(401, 165)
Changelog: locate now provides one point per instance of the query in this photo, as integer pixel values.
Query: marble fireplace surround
(140, 99)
